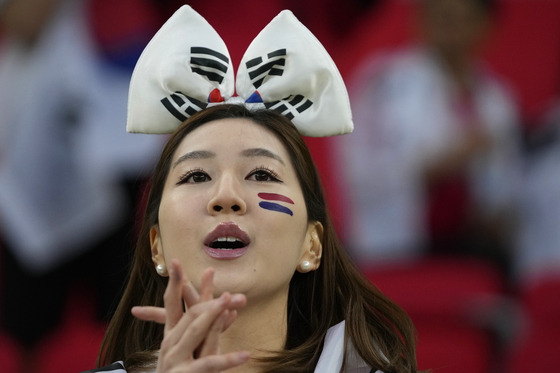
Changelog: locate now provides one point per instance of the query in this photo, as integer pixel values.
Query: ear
(313, 248)
(157, 251)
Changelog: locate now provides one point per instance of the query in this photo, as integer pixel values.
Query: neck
(259, 328)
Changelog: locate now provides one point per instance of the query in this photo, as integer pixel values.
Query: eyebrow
(260, 152)
(197, 154)
(205, 154)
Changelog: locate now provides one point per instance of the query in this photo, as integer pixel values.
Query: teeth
(227, 239)
(227, 243)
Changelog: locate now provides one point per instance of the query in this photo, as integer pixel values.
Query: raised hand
(191, 337)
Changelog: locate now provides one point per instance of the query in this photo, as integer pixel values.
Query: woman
(237, 265)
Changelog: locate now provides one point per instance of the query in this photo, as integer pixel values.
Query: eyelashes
(196, 175)
(259, 174)
(264, 174)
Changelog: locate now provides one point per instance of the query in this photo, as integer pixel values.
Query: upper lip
(227, 230)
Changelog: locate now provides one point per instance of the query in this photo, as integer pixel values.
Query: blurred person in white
(433, 166)
(537, 244)
(68, 174)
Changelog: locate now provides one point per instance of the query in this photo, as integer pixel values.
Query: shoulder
(117, 367)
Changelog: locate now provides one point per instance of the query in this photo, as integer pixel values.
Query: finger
(149, 313)
(195, 325)
(230, 318)
(190, 295)
(188, 334)
(211, 345)
(238, 301)
(172, 299)
(207, 285)
(157, 314)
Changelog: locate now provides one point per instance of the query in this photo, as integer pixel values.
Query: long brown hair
(380, 331)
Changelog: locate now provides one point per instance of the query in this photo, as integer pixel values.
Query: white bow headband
(186, 67)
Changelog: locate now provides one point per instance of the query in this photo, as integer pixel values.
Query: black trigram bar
(182, 106)
(291, 105)
(209, 63)
(259, 68)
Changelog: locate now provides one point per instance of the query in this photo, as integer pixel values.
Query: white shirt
(537, 237)
(332, 355)
(404, 116)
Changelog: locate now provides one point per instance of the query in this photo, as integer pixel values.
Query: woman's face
(232, 201)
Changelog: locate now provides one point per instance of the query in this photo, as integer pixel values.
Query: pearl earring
(306, 266)
(160, 269)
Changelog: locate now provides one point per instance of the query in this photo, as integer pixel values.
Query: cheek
(178, 218)
(276, 203)
(180, 204)
(286, 220)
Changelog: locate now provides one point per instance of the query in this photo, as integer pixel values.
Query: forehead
(231, 134)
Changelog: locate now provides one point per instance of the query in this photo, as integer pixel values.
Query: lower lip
(225, 254)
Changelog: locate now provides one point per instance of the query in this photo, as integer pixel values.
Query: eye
(193, 177)
(263, 174)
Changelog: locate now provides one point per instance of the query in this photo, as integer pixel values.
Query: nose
(226, 197)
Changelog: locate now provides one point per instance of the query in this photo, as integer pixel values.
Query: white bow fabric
(186, 67)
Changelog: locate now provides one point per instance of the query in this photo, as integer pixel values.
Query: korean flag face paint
(273, 206)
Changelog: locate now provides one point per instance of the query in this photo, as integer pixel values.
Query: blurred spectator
(433, 164)
(537, 245)
(69, 173)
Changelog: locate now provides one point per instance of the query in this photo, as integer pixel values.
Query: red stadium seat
(538, 348)
(453, 304)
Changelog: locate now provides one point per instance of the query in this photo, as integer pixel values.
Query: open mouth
(227, 236)
(227, 243)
